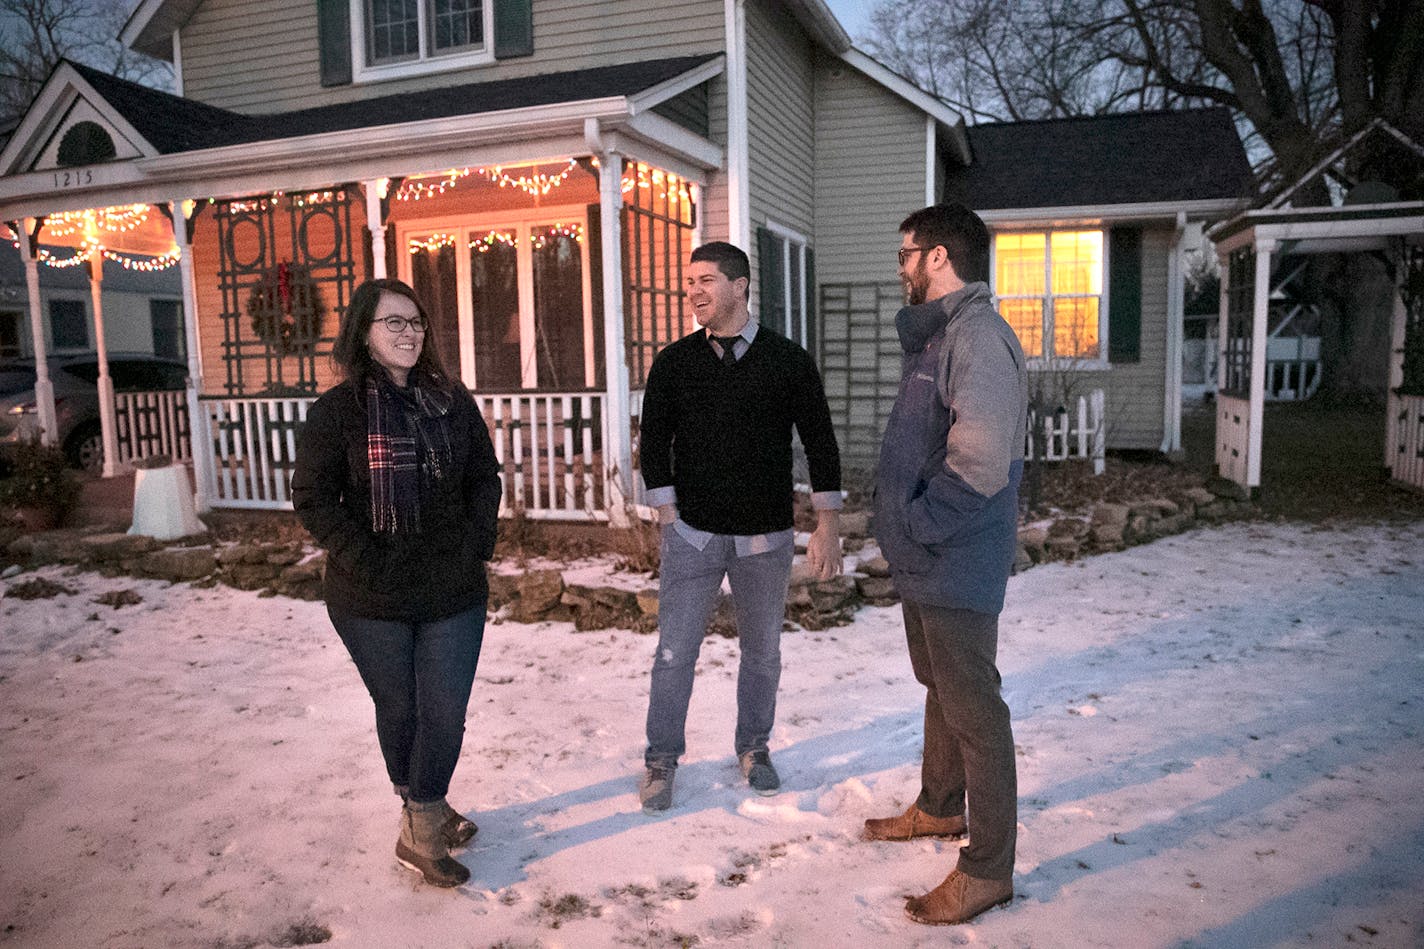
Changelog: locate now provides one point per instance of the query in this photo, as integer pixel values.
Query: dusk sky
(853, 14)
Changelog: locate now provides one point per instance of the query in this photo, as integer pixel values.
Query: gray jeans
(687, 594)
(969, 745)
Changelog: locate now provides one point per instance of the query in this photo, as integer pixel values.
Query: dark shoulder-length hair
(350, 354)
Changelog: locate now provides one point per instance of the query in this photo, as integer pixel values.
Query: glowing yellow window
(1050, 288)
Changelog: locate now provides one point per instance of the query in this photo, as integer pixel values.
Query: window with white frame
(402, 37)
(785, 269)
(1050, 290)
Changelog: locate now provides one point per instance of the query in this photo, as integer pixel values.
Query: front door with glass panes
(509, 297)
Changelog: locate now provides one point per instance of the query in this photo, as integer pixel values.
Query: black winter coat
(437, 572)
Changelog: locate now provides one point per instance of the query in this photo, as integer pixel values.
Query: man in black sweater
(717, 421)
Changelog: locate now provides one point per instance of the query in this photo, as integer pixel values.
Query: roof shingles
(174, 124)
(1130, 158)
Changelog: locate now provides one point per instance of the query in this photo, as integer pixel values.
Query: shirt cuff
(657, 497)
(826, 500)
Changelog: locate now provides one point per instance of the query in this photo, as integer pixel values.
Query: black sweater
(437, 572)
(721, 435)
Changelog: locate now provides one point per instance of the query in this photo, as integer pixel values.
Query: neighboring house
(539, 170)
(143, 312)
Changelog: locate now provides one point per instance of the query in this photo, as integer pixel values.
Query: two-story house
(540, 169)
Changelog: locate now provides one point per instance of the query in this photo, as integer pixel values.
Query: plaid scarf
(407, 447)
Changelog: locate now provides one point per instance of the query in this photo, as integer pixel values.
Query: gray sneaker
(655, 790)
(756, 766)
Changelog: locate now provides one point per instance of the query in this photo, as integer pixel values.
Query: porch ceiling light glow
(129, 235)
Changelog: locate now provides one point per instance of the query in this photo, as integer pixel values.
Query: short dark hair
(349, 353)
(959, 231)
(729, 258)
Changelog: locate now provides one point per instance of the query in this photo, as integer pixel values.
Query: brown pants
(969, 745)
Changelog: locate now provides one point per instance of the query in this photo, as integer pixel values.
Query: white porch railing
(1078, 434)
(152, 423)
(254, 446)
(1405, 446)
(549, 446)
(550, 451)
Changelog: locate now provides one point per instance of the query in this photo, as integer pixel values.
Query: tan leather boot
(457, 828)
(914, 823)
(958, 899)
(422, 845)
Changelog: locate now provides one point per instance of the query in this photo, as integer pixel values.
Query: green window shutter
(772, 311)
(333, 27)
(513, 28)
(1125, 294)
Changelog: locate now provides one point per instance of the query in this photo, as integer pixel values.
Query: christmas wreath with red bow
(286, 308)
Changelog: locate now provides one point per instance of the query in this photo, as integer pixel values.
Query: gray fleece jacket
(946, 507)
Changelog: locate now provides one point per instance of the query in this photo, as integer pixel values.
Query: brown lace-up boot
(422, 845)
(913, 823)
(958, 899)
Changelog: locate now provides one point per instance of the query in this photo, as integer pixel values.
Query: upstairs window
(404, 37)
(1050, 289)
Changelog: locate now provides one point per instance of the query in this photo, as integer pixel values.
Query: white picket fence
(152, 423)
(1078, 434)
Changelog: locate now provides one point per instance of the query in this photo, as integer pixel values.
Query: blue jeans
(419, 675)
(689, 582)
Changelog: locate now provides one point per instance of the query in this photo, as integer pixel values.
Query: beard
(917, 283)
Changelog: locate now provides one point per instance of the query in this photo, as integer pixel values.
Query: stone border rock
(294, 570)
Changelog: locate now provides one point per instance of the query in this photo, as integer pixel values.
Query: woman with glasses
(397, 480)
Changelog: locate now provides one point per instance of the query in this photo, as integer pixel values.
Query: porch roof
(1161, 159)
(171, 148)
(174, 124)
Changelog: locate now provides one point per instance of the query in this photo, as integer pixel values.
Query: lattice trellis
(311, 234)
(658, 221)
(1240, 318)
(1412, 289)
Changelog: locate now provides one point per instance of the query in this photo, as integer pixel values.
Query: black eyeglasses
(397, 323)
(905, 253)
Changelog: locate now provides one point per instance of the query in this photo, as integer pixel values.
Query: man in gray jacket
(946, 514)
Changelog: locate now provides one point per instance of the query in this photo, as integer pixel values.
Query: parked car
(76, 397)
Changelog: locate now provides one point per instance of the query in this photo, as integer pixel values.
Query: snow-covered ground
(1221, 744)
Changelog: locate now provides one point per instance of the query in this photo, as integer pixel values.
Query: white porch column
(181, 213)
(375, 223)
(739, 229)
(618, 432)
(1176, 306)
(108, 423)
(1260, 312)
(27, 233)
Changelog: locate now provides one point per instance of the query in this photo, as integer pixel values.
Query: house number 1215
(74, 179)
